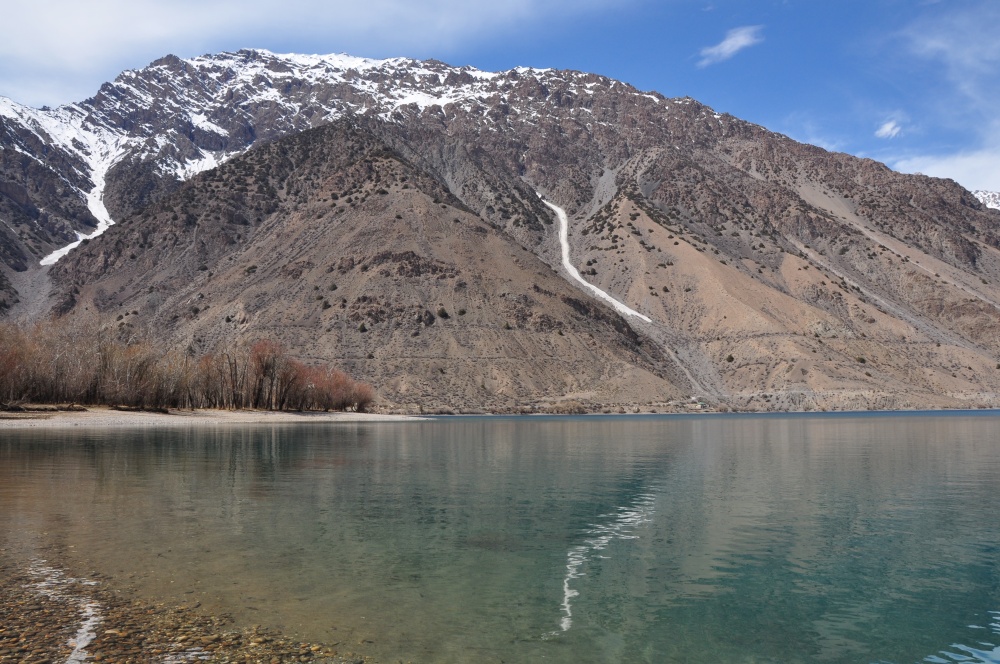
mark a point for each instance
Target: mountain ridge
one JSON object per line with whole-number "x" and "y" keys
{"x": 767, "y": 267}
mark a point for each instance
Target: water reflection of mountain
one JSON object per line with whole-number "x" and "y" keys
{"x": 795, "y": 538}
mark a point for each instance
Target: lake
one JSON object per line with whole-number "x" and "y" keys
{"x": 737, "y": 538}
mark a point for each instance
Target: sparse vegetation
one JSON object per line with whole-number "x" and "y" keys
{"x": 55, "y": 363}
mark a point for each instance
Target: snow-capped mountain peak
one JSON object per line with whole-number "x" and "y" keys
{"x": 990, "y": 199}
{"x": 178, "y": 117}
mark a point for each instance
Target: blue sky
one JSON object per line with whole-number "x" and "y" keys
{"x": 913, "y": 83}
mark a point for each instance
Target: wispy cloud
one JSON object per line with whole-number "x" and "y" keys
{"x": 964, "y": 42}
{"x": 889, "y": 129}
{"x": 958, "y": 41}
{"x": 736, "y": 40}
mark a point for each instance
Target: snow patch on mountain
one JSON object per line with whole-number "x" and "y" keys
{"x": 209, "y": 160}
{"x": 201, "y": 121}
{"x": 186, "y": 116}
{"x": 619, "y": 306}
{"x": 70, "y": 129}
{"x": 390, "y": 84}
{"x": 990, "y": 199}
{"x": 109, "y": 152}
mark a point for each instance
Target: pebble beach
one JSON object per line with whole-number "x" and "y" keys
{"x": 49, "y": 617}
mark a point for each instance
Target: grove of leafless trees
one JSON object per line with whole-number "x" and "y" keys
{"x": 54, "y": 362}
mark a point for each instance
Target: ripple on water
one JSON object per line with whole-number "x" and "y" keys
{"x": 985, "y": 653}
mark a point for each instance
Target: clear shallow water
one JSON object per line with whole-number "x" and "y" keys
{"x": 594, "y": 539}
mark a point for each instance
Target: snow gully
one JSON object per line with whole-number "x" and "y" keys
{"x": 573, "y": 272}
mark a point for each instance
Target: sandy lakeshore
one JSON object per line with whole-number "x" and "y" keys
{"x": 108, "y": 418}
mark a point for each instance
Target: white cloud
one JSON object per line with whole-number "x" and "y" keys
{"x": 978, "y": 169}
{"x": 736, "y": 40}
{"x": 888, "y": 129}
{"x": 72, "y": 46}
{"x": 958, "y": 41}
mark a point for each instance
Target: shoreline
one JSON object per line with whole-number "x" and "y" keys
{"x": 48, "y": 616}
{"x": 104, "y": 418}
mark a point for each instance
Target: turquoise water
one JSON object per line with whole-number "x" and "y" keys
{"x": 582, "y": 539}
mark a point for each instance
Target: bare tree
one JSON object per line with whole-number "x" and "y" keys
{"x": 87, "y": 362}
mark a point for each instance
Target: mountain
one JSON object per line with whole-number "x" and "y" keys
{"x": 990, "y": 199}
{"x": 773, "y": 274}
{"x": 358, "y": 257}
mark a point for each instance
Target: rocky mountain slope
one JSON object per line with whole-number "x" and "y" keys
{"x": 335, "y": 244}
{"x": 774, "y": 274}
